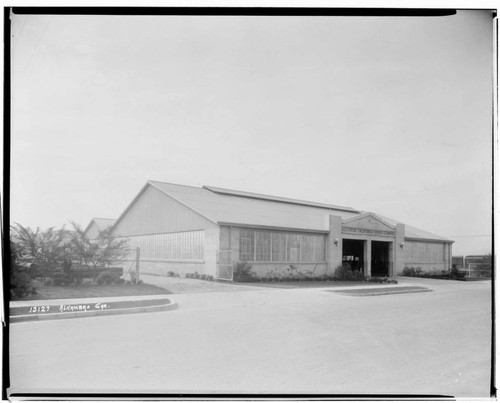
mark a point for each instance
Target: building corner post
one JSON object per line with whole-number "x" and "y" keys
{"x": 334, "y": 244}
{"x": 368, "y": 258}
{"x": 399, "y": 250}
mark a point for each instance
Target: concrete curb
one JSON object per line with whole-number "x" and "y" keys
{"x": 370, "y": 292}
{"x": 375, "y": 294}
{"x": 83, "y": 314}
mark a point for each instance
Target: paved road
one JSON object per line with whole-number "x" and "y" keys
{"x": 270, "y": 341}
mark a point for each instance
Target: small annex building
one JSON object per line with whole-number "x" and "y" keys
{"x": 209, "y": 230}
{"x": 96, "y": 225}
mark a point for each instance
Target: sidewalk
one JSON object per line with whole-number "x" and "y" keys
{"x": 22, "y": 311}
{"x": 94, "y": 300}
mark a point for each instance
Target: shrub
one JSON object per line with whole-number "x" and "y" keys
{"x": 243, "y": 273}
{"x": 140, "y": 282}
{"x": 119, "y": 280}
{"x": 20, "y": 277}
{"x": 196, "y": 275}
{"x": 20, "y": 284}
{"x": 77, "y": 280}
{"x": 381, "y": 280}
{"x": 189, "y": 275}
{"x": 203, "y": 277}
{"x": 58, "y": 281}
{"x": 412, "y": 271}
{"x": 345, "y": 273}
{"x": 37, "y": 252}
{"x": 48, "y": 282}
{"x": 105, "y": 278}
{"x": 170, "y": 274}
{"x": 101, "y": 251}
{"x": 455, "y": 274}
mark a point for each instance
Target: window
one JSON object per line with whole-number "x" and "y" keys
{"x": 424, "y": 252}
{"x": 312, "y": 248}
{"x": 293, "y": 248}
{"x": 262, "y": 246}
{"x": 279, "y": 246}
{"x": 307, "y": 248}
{"x": 247, "y": 245}
{"x": 172, "y": 246}
{"x": 274, "y": 246}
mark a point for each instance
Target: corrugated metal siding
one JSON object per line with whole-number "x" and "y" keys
{"x": 154, "y": 212}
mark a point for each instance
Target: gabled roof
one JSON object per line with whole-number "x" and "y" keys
{"x": 225, "y": 206}
{"x": 275, "y": 198}
{"x": 416, "y": 233}
{"x": 233, "y": 207}
{"x": 372, "y": 215}
{"x": 102, "y": 223}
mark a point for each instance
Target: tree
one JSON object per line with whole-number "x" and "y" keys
{"x": 20, "y": 278}
{"x": 105, "y": 250}
{"x": 39, "y": 252}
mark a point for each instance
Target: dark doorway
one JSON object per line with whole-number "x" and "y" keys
{"x": 353, "y": 254}
{"x": 380, "y": 259}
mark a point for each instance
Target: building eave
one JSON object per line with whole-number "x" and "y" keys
{"x": 428, "y": 240}
{"x": 271, "y": 227}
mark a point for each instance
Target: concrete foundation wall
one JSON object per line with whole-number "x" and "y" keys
{"x": 283, "y": 269}
{"x": 162, "y": 268}
{"x": 428, "y": 267}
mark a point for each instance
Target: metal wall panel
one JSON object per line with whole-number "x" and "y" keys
{"x": 154, "y": 213}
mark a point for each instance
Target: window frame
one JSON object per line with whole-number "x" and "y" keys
{"x": 318, "y": 245}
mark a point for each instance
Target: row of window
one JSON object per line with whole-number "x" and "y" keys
{"x": 424, "y": 252}
{"x": 174, "y": 246}
{"x": 269, "y": 246}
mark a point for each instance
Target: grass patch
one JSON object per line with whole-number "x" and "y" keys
{"x": 94, "y": 291}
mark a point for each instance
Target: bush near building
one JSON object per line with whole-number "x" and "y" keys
{"x": 61, "y": 257}
{"x": 243, "y": 274}
{"x": 453, "y": 274}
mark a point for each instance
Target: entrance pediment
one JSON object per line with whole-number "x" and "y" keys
{"x": 367, "y": 224}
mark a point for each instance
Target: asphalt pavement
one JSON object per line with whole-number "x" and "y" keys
{"x": 267, "y": 341}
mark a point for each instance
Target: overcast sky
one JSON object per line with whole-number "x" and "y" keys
{"x": 390, "y": 115}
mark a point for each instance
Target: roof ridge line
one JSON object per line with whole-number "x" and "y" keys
{"x": 278, "y": 199}
{"x": 175, "y": 184}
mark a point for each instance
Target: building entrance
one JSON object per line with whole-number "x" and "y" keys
{"x": 353, "y": 254}
{"x": 380, "y": 259}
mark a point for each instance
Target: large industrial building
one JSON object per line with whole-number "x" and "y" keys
{"x": 209, "y": 230}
